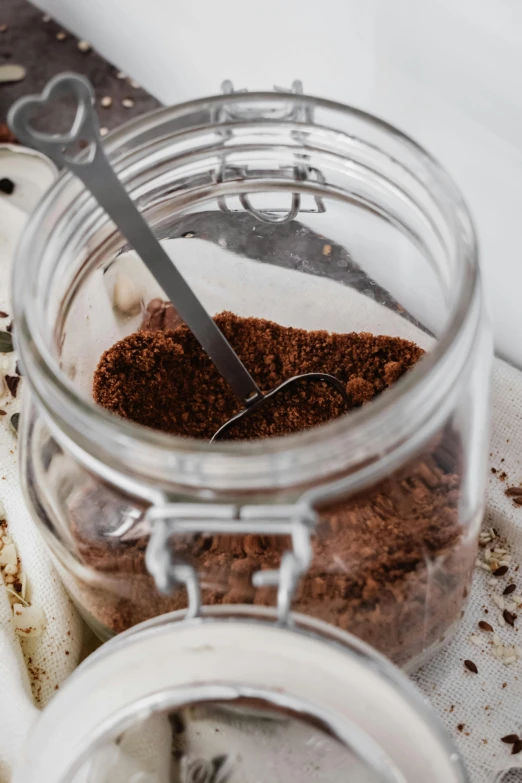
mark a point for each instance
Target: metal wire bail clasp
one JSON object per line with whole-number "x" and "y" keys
{"x": 294, "y": 520}
{"x": 301, "y": 170}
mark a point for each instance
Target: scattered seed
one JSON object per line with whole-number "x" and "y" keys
{"x": 502, "y": 570}
{"x": 518, "y": 650}
{"x": 9, "y": 327}
{"x": 10, "y": 73}
{"x": 84, "y": 46}
{"x": 484, "y": 626}
{"x": 327, "y": 250}
{"x": 61, "y": 36}
{"x": 501, "y": 621}
{"x": 513, "y": 491}
{"x": 14, "y": 422}
{"x": 127, "y": 103}
{"x": 499, "y": 601}
{"x": 518, "y": 500}
{"x": 106, "y": 101}
{"x": 470, "y": 666}
{"x": 126, "y": 296}
{"x": 492, "y": 582}
{"x": 487, "y": 554}
{"x": 134, "y": 84}
{"x": 3, "y": 315}
{"x": 8, "y": 555}
{"x": 510, "y": 606}
{"x": 517, "y": 747}
{"x": 508, "y": 617}
{"x": 509, "y": 739}
{"x": 476, "y": 640}
{"x": 496, "y": 640}
{"x": 12, "y": 382}
{"x": 121, "y": 75}
{"x": 46, "y": 18}
{"x": 104, "y": 131}
{"x": 6, "y": 186}
{"x": 6, "y": 343}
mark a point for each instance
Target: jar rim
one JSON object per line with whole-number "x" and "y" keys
{"x": 109, "y": 434}
{"x": 224, "y": 629}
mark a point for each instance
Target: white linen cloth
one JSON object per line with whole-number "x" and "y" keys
{"x": 484, "y": 708}
{"x": 488, "y": 704}
{"x": 30, "y": 668}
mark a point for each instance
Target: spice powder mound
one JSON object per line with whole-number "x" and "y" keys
{"x": 164, "y": 379}
{"x": 390, "y": 564}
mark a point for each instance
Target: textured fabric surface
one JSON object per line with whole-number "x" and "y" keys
{"x": 30, "y": 668}
{"x": 489, "y": 705}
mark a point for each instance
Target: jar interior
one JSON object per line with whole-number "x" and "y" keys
{"x": 373, "y": 246}
{"x": 239, "y": 741}
{"x": 311, "y": 284}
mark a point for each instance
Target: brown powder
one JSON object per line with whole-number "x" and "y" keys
{"x": 166, "y": 381}
{"x": 389, "y": 564}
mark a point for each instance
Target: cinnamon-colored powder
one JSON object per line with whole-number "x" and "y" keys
{"x": 390, "y": 564}
{"x": 166, "y": 381}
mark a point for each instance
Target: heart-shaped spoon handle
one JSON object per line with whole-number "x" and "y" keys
{"x": 96, "y": 173}
{"x": 55, "y": 145}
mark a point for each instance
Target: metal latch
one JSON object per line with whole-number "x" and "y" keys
{"x": 302, "y": 171}
{"x": 294, "y": 520}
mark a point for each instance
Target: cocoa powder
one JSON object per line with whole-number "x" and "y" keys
{"x": 164, "y": 379}
{"x": 389, "y": 564}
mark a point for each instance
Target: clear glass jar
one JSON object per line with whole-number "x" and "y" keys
{"x": 307, "y": 213}
{"x": 246, "y": 700}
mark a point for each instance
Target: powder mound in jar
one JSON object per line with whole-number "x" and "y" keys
{"x": 162, "y": 378}
{"x": 389, "y": 564}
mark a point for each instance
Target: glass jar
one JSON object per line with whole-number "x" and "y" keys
{"x": 313, "y": 215}
{"x": 232, "y": 697}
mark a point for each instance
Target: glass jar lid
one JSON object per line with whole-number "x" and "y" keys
{"x": 233, "y": 697}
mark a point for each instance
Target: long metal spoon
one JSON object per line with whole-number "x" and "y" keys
{"x": 92, "y": 167}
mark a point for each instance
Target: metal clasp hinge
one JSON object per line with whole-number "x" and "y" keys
{"x": 302, "y": 171}
{"x": 297, "y": 521}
